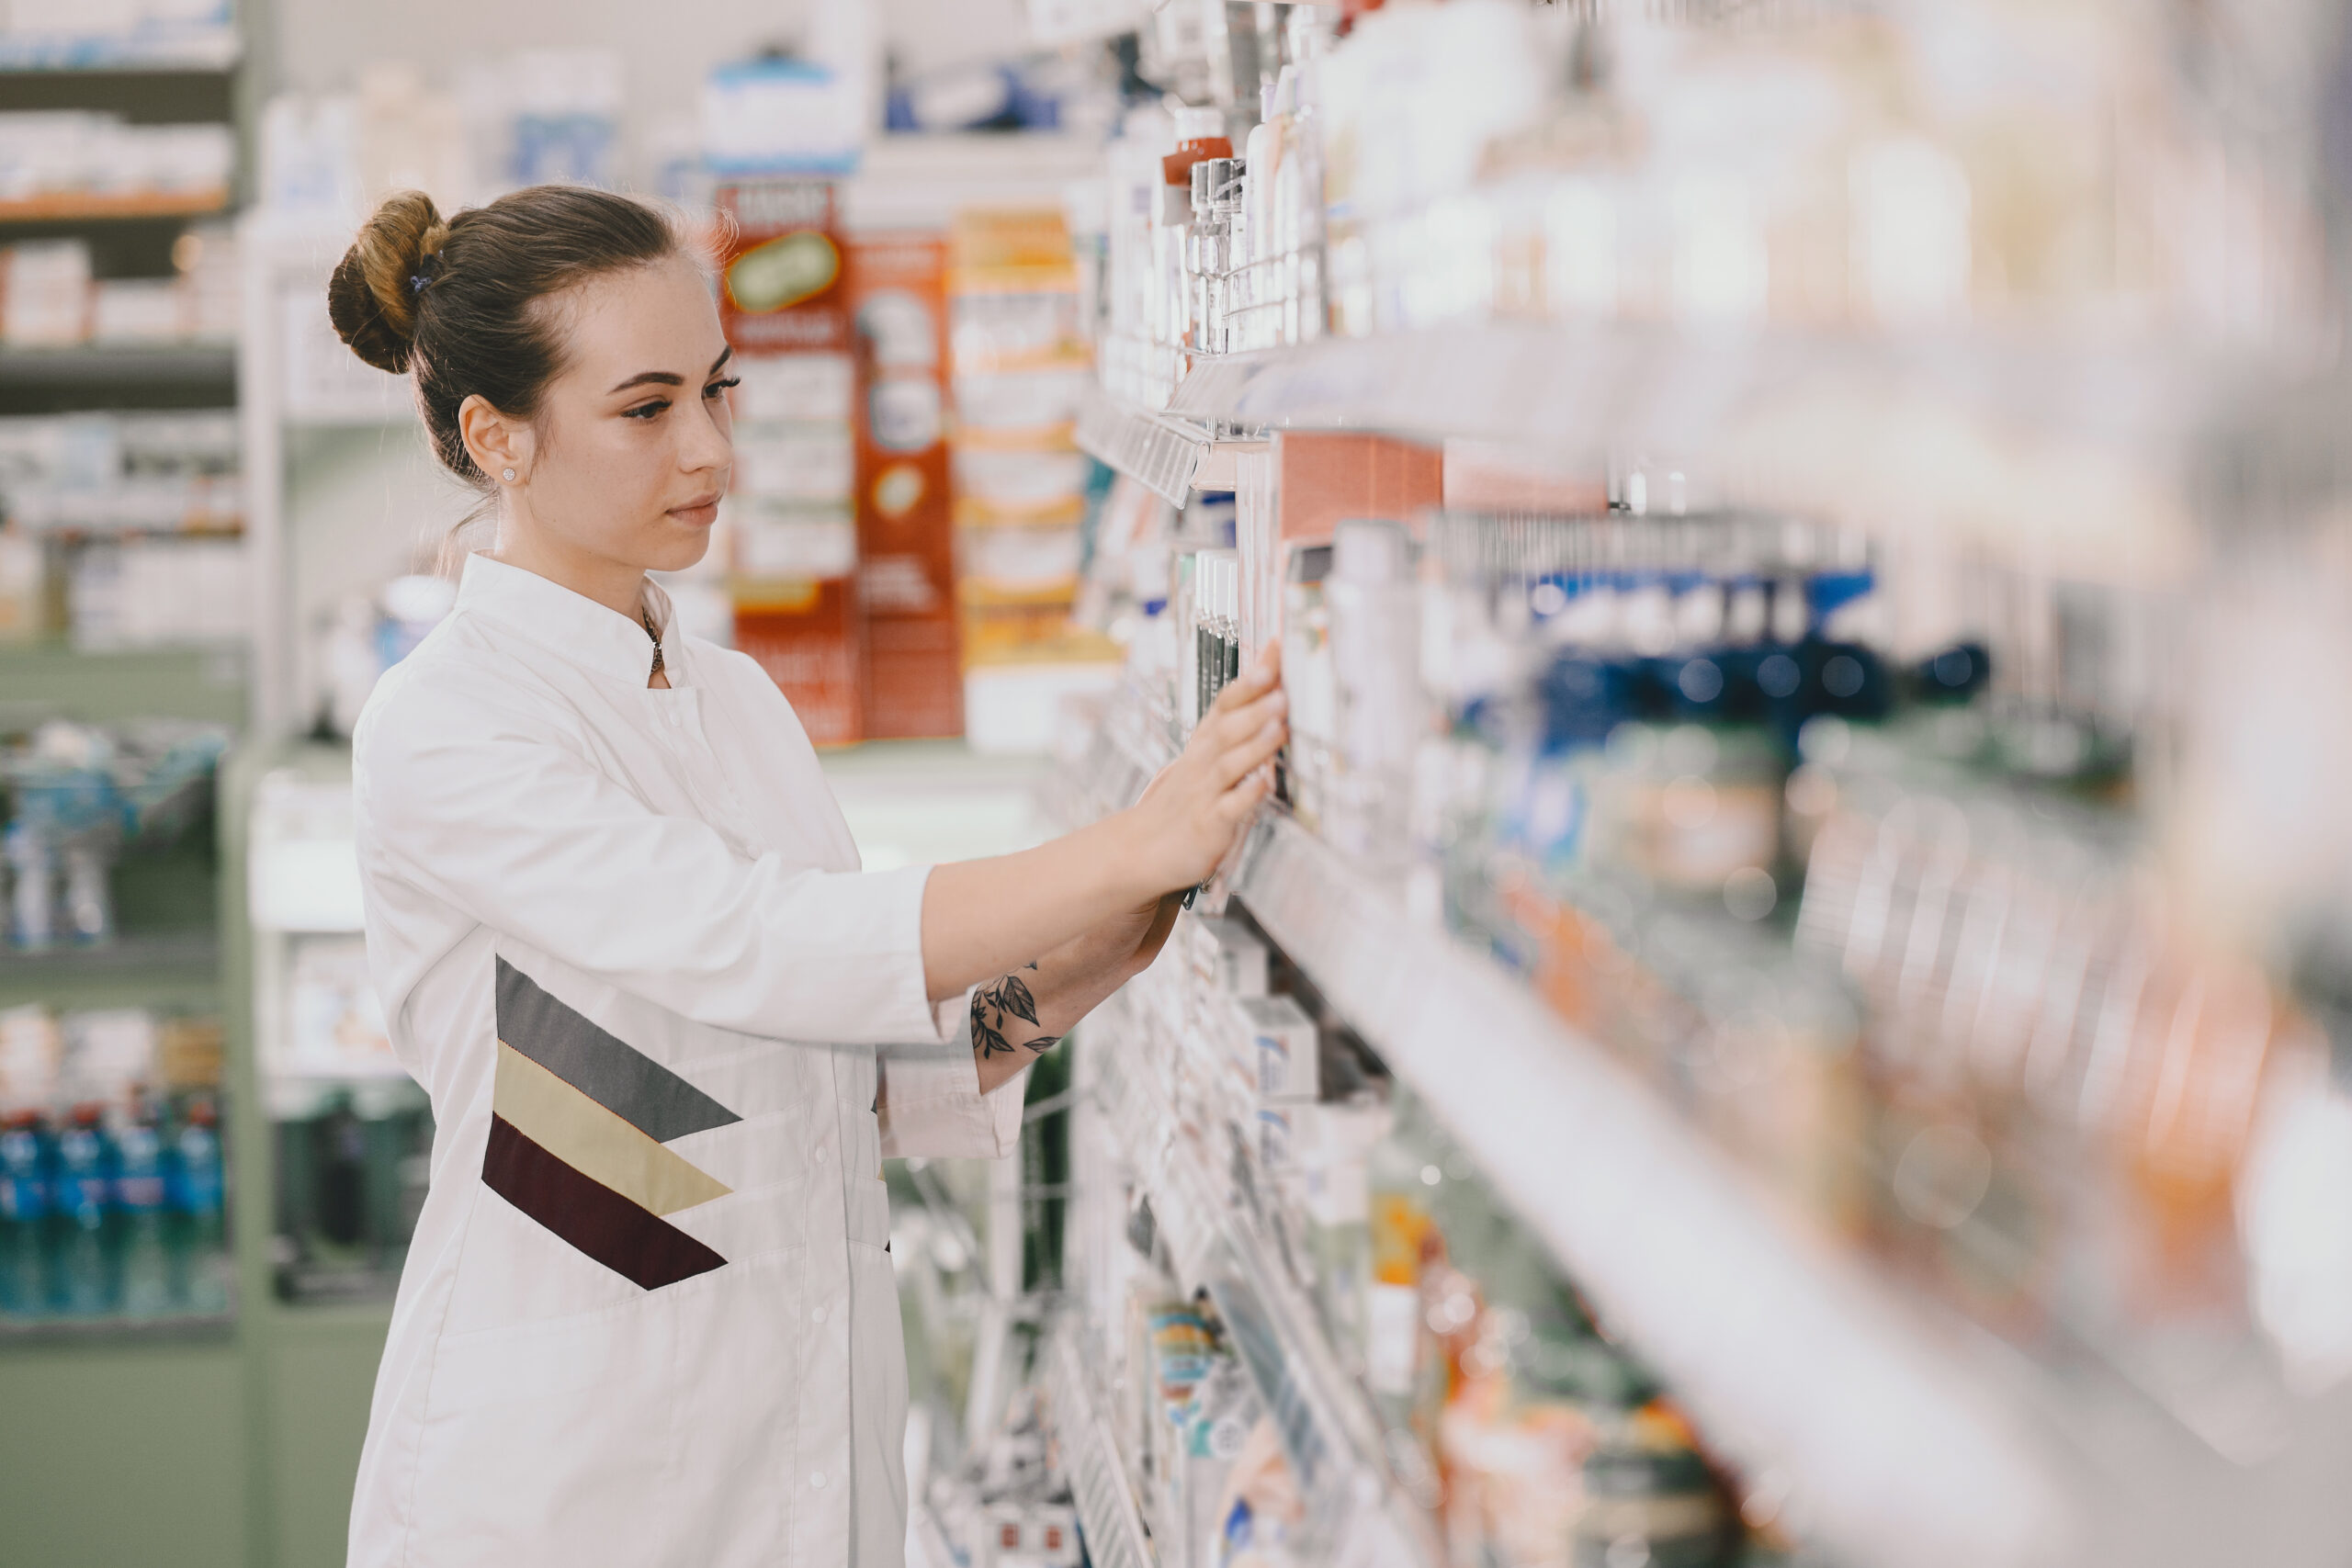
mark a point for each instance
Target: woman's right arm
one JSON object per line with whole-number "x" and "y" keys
{"x": 984, "y": 919}
{"x": 481, "y": 807}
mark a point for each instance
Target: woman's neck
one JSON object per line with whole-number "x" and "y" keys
{"x": 617, "y": 585}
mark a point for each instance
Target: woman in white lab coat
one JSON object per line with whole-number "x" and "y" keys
{"x": 670, "y": 1030}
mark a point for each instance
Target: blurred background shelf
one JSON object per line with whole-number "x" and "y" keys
{"x": 189, "y": 50}
{"x": 209, "y": 1327}
{"x": 158, "y": 377}
{"x": 81, "y": 207}
{"x": 177, "y": 953}
{"x": 122, "y": 368}
{"x": 47, "y": 680}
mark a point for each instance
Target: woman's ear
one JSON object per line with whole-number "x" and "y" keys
{"x": 499, "y": 446}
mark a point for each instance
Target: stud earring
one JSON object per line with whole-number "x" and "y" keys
{"x": 507, "y": 474}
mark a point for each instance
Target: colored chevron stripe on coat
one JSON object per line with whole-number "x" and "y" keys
{"x": 618, "y": 1077}
{"x": 579, "y": 1119}
{"x": 628, "y": 1240}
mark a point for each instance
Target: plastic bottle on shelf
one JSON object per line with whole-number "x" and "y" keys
{"x": 32, "y": 903}
{"x": 195, "y": 1189}
{"x": 1200, "y": 133}
{"x": 83, "y": 1282}
{"x": 24, "y": 1214}
{"x": 1400, "y": 1233}
{"x": 141, "y": 1246}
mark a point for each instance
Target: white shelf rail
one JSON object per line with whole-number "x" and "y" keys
{"x": 1106, "y": 1510}
{"x": 1161, "y": 454}
{"x": 2085, "y": 448}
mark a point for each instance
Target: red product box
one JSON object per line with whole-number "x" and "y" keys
{"x": 780, "y": 274}
{"x": 897, "y": 291}
{"x": 1323, "y": 478}
{"x": 812, "y": 646}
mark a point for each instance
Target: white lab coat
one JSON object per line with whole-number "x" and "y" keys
{"x": 647, "y": 1316}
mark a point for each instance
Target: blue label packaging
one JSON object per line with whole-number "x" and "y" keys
{"x": 1284, "y": 1041}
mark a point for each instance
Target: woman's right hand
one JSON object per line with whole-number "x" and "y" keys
{"x": 1185, "y": 824}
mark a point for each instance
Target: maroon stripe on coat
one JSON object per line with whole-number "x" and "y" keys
{"x": 632, "y": 1242}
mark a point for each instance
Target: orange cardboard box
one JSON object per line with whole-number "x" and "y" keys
{"x": 906, "y": 503}
{"x": 811, "y": 643}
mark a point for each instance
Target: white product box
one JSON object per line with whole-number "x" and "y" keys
{"x": 138, "y": 310}
{"x": 804, "y": 387}
{"x": 795, "y": 462}
{"x": 1228, "y": 956}
{"x": 1283, "y": 1042}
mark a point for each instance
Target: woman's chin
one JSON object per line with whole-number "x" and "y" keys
{"x": 677, "y": 546}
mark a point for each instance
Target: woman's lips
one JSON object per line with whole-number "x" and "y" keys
{"x": 698, "y": 514}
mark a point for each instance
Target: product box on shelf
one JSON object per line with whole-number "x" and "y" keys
{"x": 906, "y": 503}
{"x": 781, "y": 271}
{"x": 807, "y": 637}
{"x": 1323, "y": 478}
{"x": 786, "y": 308}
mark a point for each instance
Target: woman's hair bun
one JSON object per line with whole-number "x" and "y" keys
{"x": 375, "y": 293}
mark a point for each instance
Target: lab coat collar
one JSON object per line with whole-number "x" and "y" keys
{"x": 570, "y": 624}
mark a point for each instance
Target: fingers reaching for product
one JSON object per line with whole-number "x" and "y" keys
{"x": 1188, "y": 819}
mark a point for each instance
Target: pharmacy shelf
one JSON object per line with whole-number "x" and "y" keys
{"x": 1905, "y": 1439}
{"x": 71, "y": 1331}
{"x": 180, "y": 969}
{"x": 191, "y": 48}
{"x": 1107, "y": 1515}
{"x": 1356, "y": 1513}
{"x": 2085, "y": 447}
{"x": 83, "y": 207}
{"x": 1667, "y": 390}
{"x": 184, "y": 953}
{"x": 108, "y": 368}
{"x": 1161, "y": 454}
{"x": 44, "y": 681}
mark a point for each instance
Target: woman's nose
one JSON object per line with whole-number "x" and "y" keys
{"x": 711, "y": 443}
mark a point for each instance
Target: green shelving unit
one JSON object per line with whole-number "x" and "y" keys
{"x": 226, "y": 1444}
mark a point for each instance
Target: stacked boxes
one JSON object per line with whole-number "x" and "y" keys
{"x": 906, "y": 540}
{"x": 1023, "y": 487}
{"x": 792, "y": 519}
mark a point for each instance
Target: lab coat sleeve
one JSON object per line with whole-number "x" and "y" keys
{"x": 932, "y": 1105}
{"x": 486, "y": 810}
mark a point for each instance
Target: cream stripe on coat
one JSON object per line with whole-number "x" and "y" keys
{"x": 593, "y": 1141}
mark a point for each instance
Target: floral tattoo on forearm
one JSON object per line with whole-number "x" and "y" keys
{"x": 992, "y": 1009}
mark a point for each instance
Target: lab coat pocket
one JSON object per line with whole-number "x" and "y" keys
{"x": 540, "y": 1433}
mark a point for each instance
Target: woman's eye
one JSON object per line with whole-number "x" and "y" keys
{"x": 647, "y": 411}
{"x": 718, "y": 389}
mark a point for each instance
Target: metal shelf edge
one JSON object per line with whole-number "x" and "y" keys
{"x": 1107, "y": 1509}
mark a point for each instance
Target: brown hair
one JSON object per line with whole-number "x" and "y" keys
{"x": 459, "y": 302}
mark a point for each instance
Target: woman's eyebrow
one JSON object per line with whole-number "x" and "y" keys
{"x": 669, "y": 377}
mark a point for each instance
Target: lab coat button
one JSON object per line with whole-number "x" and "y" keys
{"x": 817, "y": 1479}
{"x": 816, "y": 1315}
